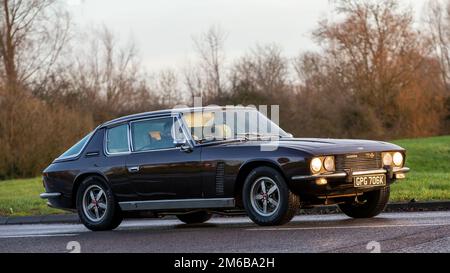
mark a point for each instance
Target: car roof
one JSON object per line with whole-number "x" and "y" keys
{"x": 168, "y": 112}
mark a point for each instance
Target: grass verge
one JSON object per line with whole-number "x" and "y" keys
{"x": 429, "y": 160}
{"x": 429, "y": 180}
{"x": 21, "y": 198}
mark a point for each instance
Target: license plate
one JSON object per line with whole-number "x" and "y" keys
{"x": 369, "y": 181}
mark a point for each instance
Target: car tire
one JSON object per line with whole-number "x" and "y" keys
{"x": 267, "y": 198}
{"x": 102, "y": 214}
{"x": 374, "y": 203}
{"x": 197, "y": 217}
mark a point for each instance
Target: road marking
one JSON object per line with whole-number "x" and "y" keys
{"x": 347, "y": 227}
{"x": 36, "y": 236}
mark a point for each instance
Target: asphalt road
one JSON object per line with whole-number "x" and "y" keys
{"x": 390, "y": 232}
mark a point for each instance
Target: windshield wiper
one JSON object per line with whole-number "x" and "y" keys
{"x": 240, "y": 137}
{"x": 257, "y": 135}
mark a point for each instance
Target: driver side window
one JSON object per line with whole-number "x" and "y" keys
{"x": 154, "y": 134}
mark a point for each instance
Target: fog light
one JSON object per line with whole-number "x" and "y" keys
{"x": 400, "y": 176}
{"x": 321, "y": 182}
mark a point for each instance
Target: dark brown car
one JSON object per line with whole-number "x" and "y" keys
{"x": 195, "y": 162}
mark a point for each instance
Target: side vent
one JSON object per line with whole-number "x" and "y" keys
{"x": 220, "y": 178}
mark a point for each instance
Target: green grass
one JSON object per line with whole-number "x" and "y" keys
{"x": 429, "y": 160}
{"x": 429, "y": 180}
{"x": 21, "y": 198}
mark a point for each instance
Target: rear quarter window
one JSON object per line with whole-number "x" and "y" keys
{"x": 117, "y": 140}
{"x": 76, "y": 149}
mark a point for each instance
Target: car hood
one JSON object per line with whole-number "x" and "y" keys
{"x": 319, "y": 147}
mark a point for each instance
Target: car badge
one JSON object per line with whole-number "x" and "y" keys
{"x": 370, "y": 155}
{"x": 352, "y": 156}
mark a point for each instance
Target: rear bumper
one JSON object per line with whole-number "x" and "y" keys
{"x": 345, "y": 175}
{"x": 48, "y": 195}
{"x": 57, "y": 200}
{"x": 57, "y": 194}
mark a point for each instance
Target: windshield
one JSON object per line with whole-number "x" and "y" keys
{"x": 230, "y": 124}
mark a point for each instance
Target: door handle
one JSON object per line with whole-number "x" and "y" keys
{"x": 134, "y": 169}
{"x": 92, "y": 154}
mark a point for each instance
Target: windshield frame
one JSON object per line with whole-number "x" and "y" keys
{"x": 248, "y": 136}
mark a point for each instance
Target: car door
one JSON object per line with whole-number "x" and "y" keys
{"x": 117, "y": 150}
{"x": 157, "y": 169}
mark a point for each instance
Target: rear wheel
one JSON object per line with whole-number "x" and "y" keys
{"x": 268, "y": 199}
{"x": 197, "y": 217}
{"x": 369, "y": 205}
{"x": 96, "y": 205}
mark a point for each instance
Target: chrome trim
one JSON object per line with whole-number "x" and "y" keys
{"x": 187, "y": 134}
{"x": 206, "y": 109}
{"x": 153, "y": 151}
{"x": 48, "y": 195}
{"x": 149, "y": 119}
{"x": 179, "y": 204}
{"x": 370, "y": 172}
{"x": 131, "y": 134}
{"x": 402, "y": 170}
{"x": 134, "y": 169}
{"x": 343, "y": 174}
{"x": 105, "y": 140}
{"x": 166, "y": 112}
{"x": 340, "y": 195}
{"x": 176, "y": 118}
{"x": 82, "y": 148}
{"x": 316, "y": 176}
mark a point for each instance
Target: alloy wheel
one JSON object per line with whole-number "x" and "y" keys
{"x": 265, "y": 196}
{"x": 95, "y": 203}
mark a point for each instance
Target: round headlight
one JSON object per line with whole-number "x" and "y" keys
{"x": 387, "y": 159}
{"x": 316, "y": 165}
{"x": 398, "y": 159}
{"x": 328, "y": 164}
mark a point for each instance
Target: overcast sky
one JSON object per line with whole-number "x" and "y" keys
{"x": 163, "y": 29}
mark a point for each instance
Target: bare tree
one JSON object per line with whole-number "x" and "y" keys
{"x": 193, "y": 82}
{"x": 32, "y": 36}
{"x": 371, "y": 60}
{"x": 168, "y": 89}
{"x": 210, "y": 48}
{"x": 438, "y": 23}
{"x": 265, "y": 69}
{"x": 107, "y": 74}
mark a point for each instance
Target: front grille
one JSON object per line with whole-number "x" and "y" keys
{"x": 358, "y": 162}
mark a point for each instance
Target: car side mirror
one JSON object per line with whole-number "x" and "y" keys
{"x": 183, "y": 144}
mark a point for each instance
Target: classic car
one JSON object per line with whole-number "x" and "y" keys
{"x": 196, "y": 162}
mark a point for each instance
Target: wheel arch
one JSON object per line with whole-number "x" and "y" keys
{"x": 245, "y": 170}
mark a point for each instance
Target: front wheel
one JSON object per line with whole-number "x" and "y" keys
{"x": 268, "y": 199}
{"x": 369, "y": 205}
{"x": 96, "y": 205}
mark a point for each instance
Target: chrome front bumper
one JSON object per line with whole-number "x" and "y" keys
{"x": 341, "y": 175}
{"x": 48, "y": 195}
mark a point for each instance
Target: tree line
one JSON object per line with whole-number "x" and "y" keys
{"x": 378, "y": 73}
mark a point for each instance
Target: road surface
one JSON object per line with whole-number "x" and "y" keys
{"x": 390, "y": 232}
